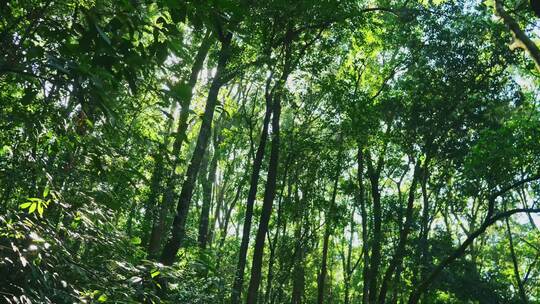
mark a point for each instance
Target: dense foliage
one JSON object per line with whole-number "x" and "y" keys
{"x": 272, "y": 151}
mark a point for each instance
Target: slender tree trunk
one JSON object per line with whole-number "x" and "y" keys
{"x": 323, "y": 271}
{"x": 269, "y": 194}
{"x": 327, "y": 231}
{"x": 184, "y": 201}
{"x": 254, "y": 181}
{"x": 347, "y": 269}
{"x": 519, "y": 282}
{"x": 423, "y": 286}
{"x": 158, "y": 225}
{"x": 299, "y": 270}
{"x": 404, "y": 233}
{"x": 156, "y": 180}
{"x": 216, "y": 222}
{"x": 225, "y": 227}
{"x": 375, "y": 260}
{"x": 364, "y": 216}
{"x": 275, "y": 239}
{"x": 207, "y": 183}
{"x": 425, "y": 221}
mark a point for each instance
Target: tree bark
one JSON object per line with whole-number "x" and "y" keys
{"x": 158, "y": 225}
{"x": 254, "y": 181}
{"x": 404, "y": 233}
{"x": 521, "y": 39}
{"x": 299, "y": 270}
{"x": 519, "y": 282}
{"x": 207, "y": 183}
{"x": 269, "y": 194}
{"x": 363, "y": 214}
{"x": 423, "y": 286}
{"x": 347, "y": 269}
{"x": 184, "y": 201}
{"x": 275, "y": 239}
{"x": 329, "y": 221}
{"x": 375, "y": 260}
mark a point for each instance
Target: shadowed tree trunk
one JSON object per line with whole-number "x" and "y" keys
{"x": 207, "y": 183}
{"x": 158, "y": 225}
{"x": 329, "y": 222}
{"x": 299, "y": 269}
{"x": 269, "y": 194}
{"x": 254, "y": 181}
{"x": 274, "y": 242}
{"x": 184, "y": 201}
{"x": 348, "y": 267}
{"x": 515, "y": 264}
{"x": 424, "y": 286}
{"x": 363, "y": 214}
{"x": 157, "y": 177}
{"x": 404, "y": 233}
{"x": 375, "y": 260}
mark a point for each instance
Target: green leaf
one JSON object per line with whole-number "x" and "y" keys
{"x": 136, "y": 240}
{"x": 154, "y": 273}
{"x": 32, "y": 208}
{"x": 46, "y": 191}
{"x": 40, "y": 208}
{"x": 102, "y": 298}
{"x": 25, "y": 205}
{"x": 103, "y": 35}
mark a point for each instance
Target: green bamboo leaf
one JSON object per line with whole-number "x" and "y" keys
{"x": 32, "y": 208}
{"x": 25, "y": 205}
{"x": 40, "y": 208}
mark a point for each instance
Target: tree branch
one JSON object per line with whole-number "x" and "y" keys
{"x": 424, "y": 285}
{"x": 521, "y": 40}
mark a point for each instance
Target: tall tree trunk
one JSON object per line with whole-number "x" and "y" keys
{"x": 275, "y": 239}
{"x": 184, "y": 201}
{"x": 425, "y": 221}
{"x": 347, "y": 269}
{"x": 404, "y": 233}
{"x": 299, "y": 271}
{"x": 225, "y": 227}
{"x": 269, "y": 194}
{"x": 216, "y": 222}
{"x": 158, "y": 225}
{"x": 519, "y": 282}
{"x": 364, "y": 216}
{"x": 207, "y": 183}
{"x": 254, "y": 180}
{"x": 375, "y": 260}
{"x": 329, "y": 222}
{"x": 156, "y": 179}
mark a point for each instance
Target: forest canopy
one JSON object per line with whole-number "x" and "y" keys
{"x": 248, "y": 151}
